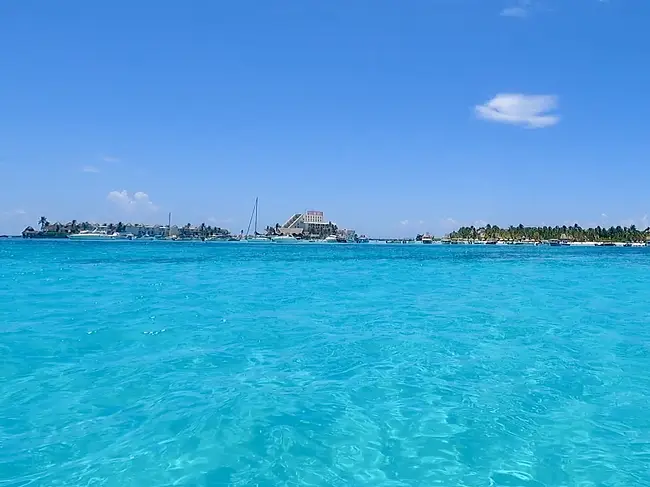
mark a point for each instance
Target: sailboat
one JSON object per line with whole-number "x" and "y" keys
{"x": 256, "y": 237}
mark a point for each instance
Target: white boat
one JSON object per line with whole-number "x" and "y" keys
{"x": 290, "y": 239}
{"x": 427, "y": 239}
{"x": 95, "y": 235}
{"x": 257, "y": 239}
{"x": 331, "y": 239}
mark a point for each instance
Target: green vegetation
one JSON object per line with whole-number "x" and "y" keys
{"x": 62, "y": 230}
{"x": 202, "y": 231}
{"x": 573, "y": 233}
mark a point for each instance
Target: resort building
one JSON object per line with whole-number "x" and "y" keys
{"x": 141, "y": 230}
{"x": 310, "y": 223}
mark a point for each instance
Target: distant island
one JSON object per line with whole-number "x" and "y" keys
{"x": 573, "y": 233}
{"x": 137, "y": 230}
{"x": 296, "y": 229}
{"x": 74, "y": 229}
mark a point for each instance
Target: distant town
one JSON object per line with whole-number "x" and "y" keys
{"x": 312, "y": 226}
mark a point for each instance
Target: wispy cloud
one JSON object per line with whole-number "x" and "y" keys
{"x": 411, "y": 223}
{"x": 137, "y": 201}
{"x": 110, "y": 159}
{"x": 641, "y": 223}
{"x": 520, "y": 10}
{"x": 449, "y": 222}
{"x": 218, "y": 221}
{"x": 17, "y": 212}
{"x": 530, "y": 111}
{"x": 91, "y": 169}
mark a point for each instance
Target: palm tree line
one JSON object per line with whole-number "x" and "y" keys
{"x": 74, "y": 226}
{"x": 574, "y": 233}
{"x": 202, "y": 231}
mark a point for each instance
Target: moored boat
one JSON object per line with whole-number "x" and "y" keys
{"x": 96, "y": 235}
{"x": 290, "y": 239}
{"x": 257, "y": 239}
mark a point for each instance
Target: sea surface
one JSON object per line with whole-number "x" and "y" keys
{"x": 199, "y": 364}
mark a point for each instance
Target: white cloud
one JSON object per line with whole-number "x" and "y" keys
{"x": 91, "y": 169}
{"x": 531, "y": 111}
{"x": 604, "y": 215}
{"x": 411, "y": 223}
{"x": 520, "y": 12}
{"x": 218, "y": 221}
{"x": 137, "y": 201}
{"x": 110, "y": 159}
{"x": 18, "y": 212}
{"x": 449, "y": 222}
{"x": 641, "y": 223}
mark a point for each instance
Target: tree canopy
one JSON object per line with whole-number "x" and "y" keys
{"x": 574, "y": 233}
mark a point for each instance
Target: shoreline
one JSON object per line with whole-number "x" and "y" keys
{"x": 382, "y": 241}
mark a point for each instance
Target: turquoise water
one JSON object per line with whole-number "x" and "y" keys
{"x": 161, "y": 364}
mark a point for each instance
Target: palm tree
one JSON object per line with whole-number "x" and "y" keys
{"x": 120, "y": 227}
{"x": 43, "y": 222}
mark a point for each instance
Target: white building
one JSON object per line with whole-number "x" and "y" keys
{"x": 140, "y": 230}
{"x": 309, "y": 222}
{"x": 313, "y": 216}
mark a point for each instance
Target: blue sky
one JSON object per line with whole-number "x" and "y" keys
{"x": 393, "y": 117}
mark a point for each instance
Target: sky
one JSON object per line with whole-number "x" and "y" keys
{"x": 392, "y": 117}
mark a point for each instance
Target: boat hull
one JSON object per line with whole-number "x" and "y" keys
{"x": 289, "y": 241}
{"x": 258, "y": 240}
{"x": 95, "y": 239}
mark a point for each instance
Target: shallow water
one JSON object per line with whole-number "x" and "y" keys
{"x": 132, "y": 364}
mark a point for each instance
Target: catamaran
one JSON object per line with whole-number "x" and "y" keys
{"x": 285, "y": 239}
{"x": 94, "y": 235}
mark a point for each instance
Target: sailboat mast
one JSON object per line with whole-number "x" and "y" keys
{"x": 250, "y": 221}
{"x": 255, "y": 216}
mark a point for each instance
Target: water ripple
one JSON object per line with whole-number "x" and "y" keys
{"x": 207, "y": 365}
